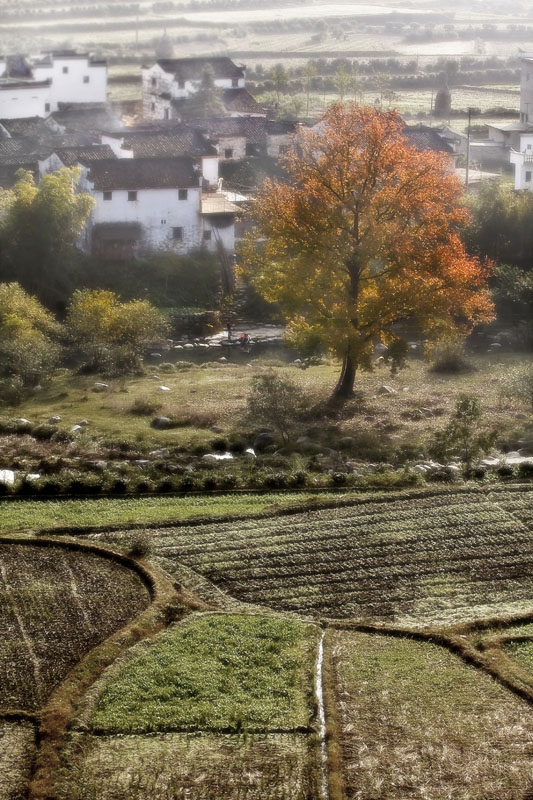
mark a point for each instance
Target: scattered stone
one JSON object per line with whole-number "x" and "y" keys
{"x": 387, "y": 390}
{"x": 142, "y": 462}
{"x": 156, "y": 355}
{"x": 427, "y": 412}
{"x": 178, "y": 347}
{"x": 22, "y": 421}
{"x": 188, "y": 346}
{"x": 83, "y": 423}
{"x": 218, "y": 457}
{"x": 222, "y": 358}
{"x": 155, "y": 377}
{"x": 7, "y": 476}
{"x": 76, "y": 428}
{"x": 54, "y": 420}
{"x": 101, "y": 387}
{"x": 250, "y": 452}
{"x": 161, "y": 452}
{"x": 381, "y": 348}
{"x": 164, "y": 388}
{"x": 161, "y": 423}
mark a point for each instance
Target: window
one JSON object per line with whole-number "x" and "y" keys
{"x": 228, "y": 152}
{"x": 167, "y": 113}
{"x": 65, "y": 70}
{"x": 234, "y": 82}
{"x": 47, "y": 106}
{"x": 181, "y": 84}
{"x": 163, "y": 222}
{"x": 529, "y": 147}
{"x": 207, "y": 236}
{"x": 182, "y": 194}
{"x": 528, "y": 176}
{"x": 154, "y": 82}
{"x": 132, "y": 195}
{"x": 108, "y": 195}
{"x": 153, "y": 106}
{"x": 251, "y": 149}
{"x": 177, "y": 234}
{"x": 86, "y": 79}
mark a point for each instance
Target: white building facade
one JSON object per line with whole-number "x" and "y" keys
{"x": 57, "y": 77}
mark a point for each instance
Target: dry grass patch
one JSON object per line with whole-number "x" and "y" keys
{"x": 416, "y": 722}
{"x": 188, "y": 767}
{"x": 17, "y": 748}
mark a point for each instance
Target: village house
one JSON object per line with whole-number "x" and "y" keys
{"x": 170, "y": 82}
{"x": 144, "y": 205}
{"x": 38, "y": 87}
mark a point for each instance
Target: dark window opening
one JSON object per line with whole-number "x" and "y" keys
{"x": 132, "y": 195}
{"x": 65, "y": 70}
{"x": 177, "y": 234}
{"x": 234, "y": 82}
{"x": 86, "y": 79}
{"x": 108, "y": 195}
{"x": 228, "y": 152}
{"x": 182, "y": 194}
{"x": 207, "y": 236}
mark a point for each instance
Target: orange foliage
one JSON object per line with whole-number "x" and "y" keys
{"x": 365, "y": 235}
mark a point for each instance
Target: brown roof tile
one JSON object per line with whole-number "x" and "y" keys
{"x": 144, "y": 173}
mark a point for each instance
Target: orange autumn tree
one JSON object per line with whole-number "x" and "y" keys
{"x": 363, "y": 237}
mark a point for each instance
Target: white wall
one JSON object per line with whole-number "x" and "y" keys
{"x": 526, "y": 88}
{"x": 158, "y": 211}
{"x": 24, "y": 101}
{"x": 82, "y": 83}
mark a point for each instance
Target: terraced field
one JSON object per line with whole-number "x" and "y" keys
{"x": 420, "y": 560}
{"x": 426, "y": 599}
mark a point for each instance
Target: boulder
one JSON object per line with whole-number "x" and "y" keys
{"x": 54, "y": 420}
{"x": 7, "y": 476}
{"x": 83, "y": 423}
{"x": 164, "y": 388}
{"x": 387, "y": 390}
{"x": 100, "y": 387}
{"x": 161, "y": 452}
{"x": 263, "y": 440}
{"x": 157, "y": 356}
{"x": 161, "y": 423}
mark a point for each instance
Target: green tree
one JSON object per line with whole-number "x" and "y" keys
{"x": 342, "y": 81}
{"x": 280, "y": 78}
{"x": 29, "y": 342}
{"x": 110, "y": 334}
{"x": 207, "y": 101}
{"x": 310, "y": 72}
{"x": 276, "y": 402}
{"x": 40, "y": 227}
{"x": 462, "y": 435}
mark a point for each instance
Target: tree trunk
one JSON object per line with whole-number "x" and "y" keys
{"x": 344, "y": 389}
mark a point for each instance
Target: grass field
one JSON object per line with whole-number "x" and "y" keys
{"x": 215, "y": 673}
{"x": 416, "y": 722}
{"x": 36, "y": 514}
{"x": 56, "y": 604}
{"x": 434, "y": 559}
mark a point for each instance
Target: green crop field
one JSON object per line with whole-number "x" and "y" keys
{"x": 215, "y": 673}
{"x": 17, "y": 749}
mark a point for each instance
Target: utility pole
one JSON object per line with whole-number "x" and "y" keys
{"x": 468, "y": 148}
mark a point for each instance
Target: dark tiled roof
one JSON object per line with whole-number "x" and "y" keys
{"x": 24, "y": 85}
{"x": 8, "y": 173}
{"x": 20, "y": 151}
{"x": 425, "y": 138}
{"x": 251, "y": 128}
{"x": 247, "y": 175}
{"x": 187, "y": 69}
{"x": 85, "y": 117}
{"x": 281, "y": 127}
{"x": 26, "y": 126}
{"x": 240, "y": 100}
{"x": 181, "y": 141}
{"x": 144, "y": 173}
{"x": 70, "y": 156}
{"x": 17, "y": 66}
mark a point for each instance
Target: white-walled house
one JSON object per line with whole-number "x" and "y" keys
{"x": 145, "y": 205}
{"x": 170, "y": 82}
{"x": 523, "y": 163}
{"x": 37, "y": 87}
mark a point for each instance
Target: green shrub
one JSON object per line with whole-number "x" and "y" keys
{"x": 525, "y": 470}
{"x": 339, "y": 479}
{"x": 144, "y": 406}
{"x": 276, "y": 403}
{"x": 449, "y": 358}
{"x": 140, "y": 545}
{"x": 43, "y": 431}
{"x": 505, "y": 471}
